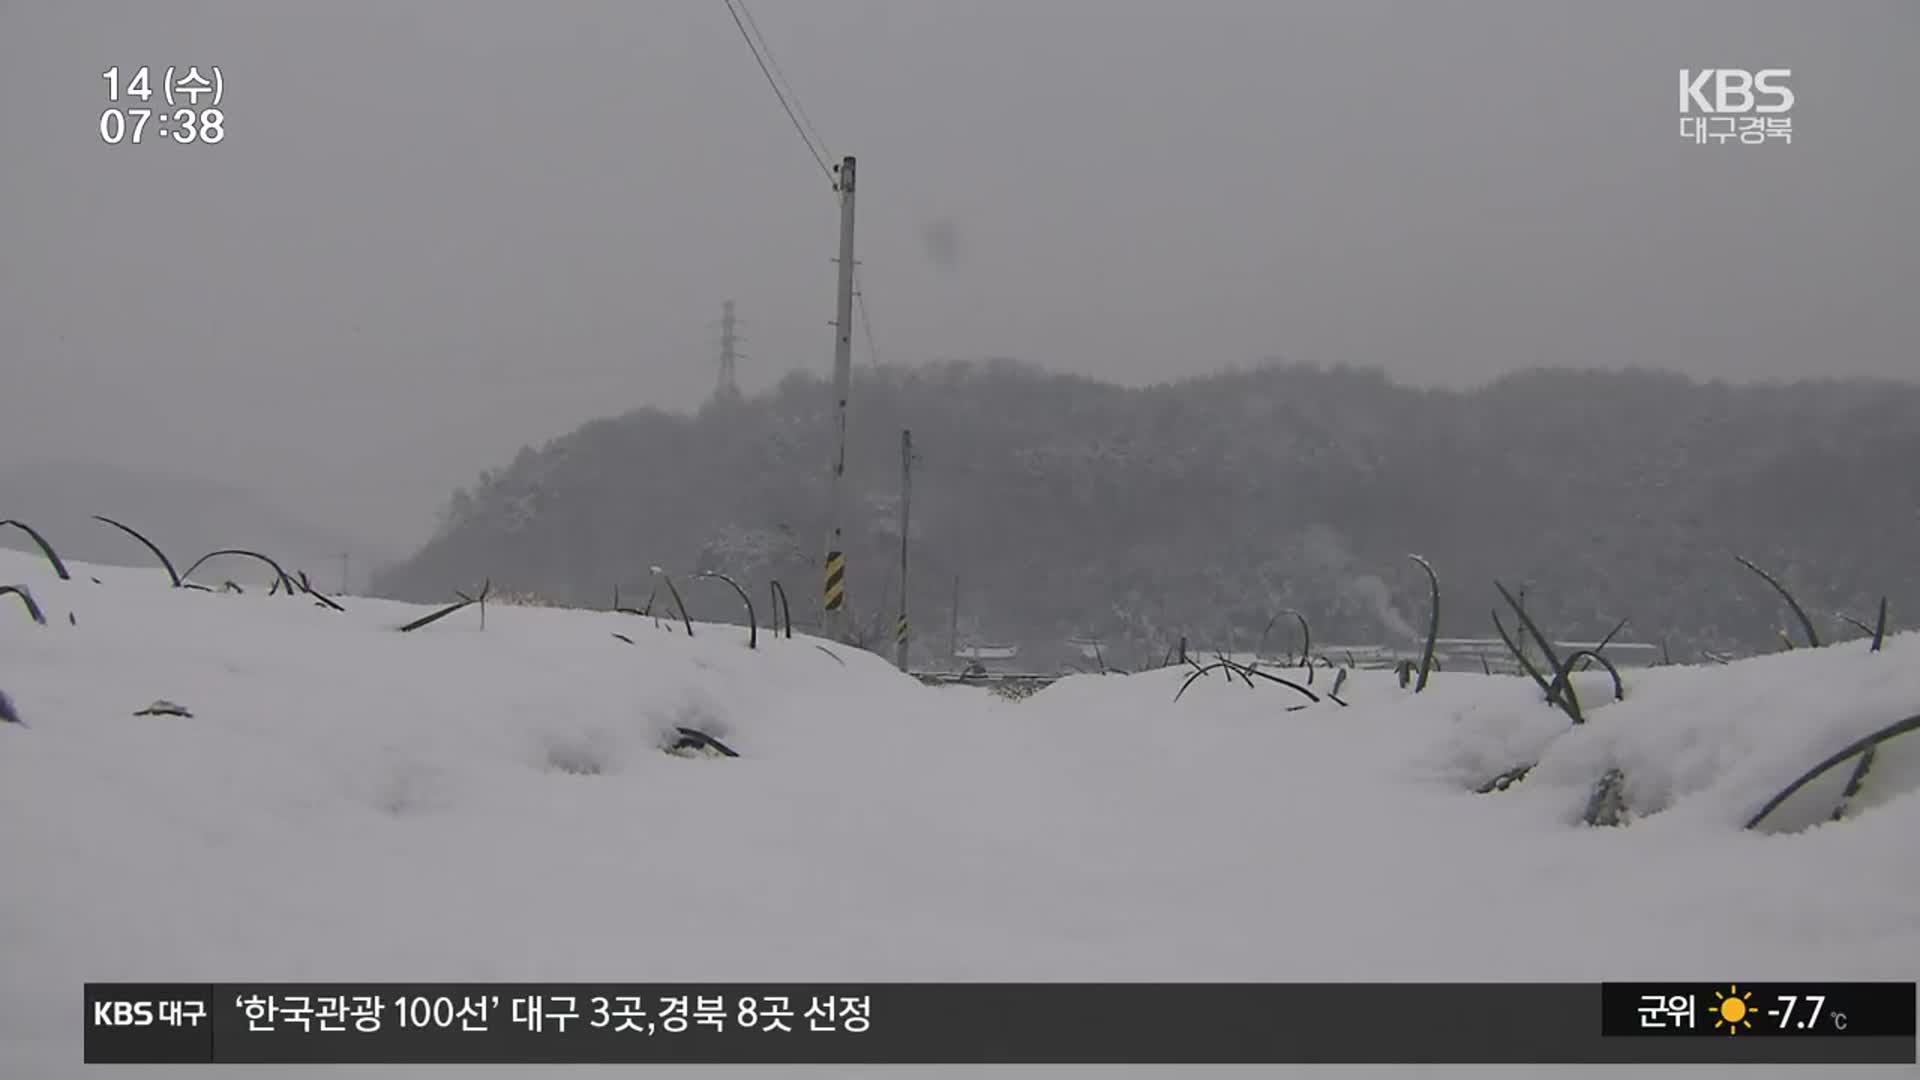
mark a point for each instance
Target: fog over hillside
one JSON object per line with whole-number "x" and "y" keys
{"x": 1065, "y": 506}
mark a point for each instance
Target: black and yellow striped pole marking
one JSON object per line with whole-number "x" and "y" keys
{"x": 836, "y": 580}
{"x": 900, "y": 629}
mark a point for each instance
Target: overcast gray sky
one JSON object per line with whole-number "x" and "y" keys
{"x": 436, "y": 231}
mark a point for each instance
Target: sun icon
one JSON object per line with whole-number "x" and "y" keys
{"x": 1733, "y": 1009}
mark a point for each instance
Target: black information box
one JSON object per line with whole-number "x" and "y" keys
{"x": 1000, "y": 1023}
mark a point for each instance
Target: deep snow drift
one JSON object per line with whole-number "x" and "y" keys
{"x": 349, "y": 803}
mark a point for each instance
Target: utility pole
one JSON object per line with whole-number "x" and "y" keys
{"x": 728, "y": 388}
{"x": 906, "y": 495}
{"x": 346, "y": 577}
{"x": 953, "y": 628}
{"x": 834, "y": 619}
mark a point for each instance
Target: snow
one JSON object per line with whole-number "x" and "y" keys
{"x": 349, "y": 803}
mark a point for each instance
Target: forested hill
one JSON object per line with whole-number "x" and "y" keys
{"x": 1067, "y": 506}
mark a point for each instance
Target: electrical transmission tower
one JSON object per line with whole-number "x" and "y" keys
{"x": 728, "y": 388}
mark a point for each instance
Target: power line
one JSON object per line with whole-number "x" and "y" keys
{"x": 802, "y": 125}
{"x": 819, "y": 141}
{"x": 777, "y": 92}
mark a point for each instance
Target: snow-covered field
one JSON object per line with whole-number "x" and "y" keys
{"x": 348, "y": 803}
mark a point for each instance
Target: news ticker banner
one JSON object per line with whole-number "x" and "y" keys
{"x": 1000, "y": 1023}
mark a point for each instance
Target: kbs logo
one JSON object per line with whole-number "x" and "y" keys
{"x": 1724, "y": 104}
{"x": 1734, "y": 90}
{"x": 167, "y": 1012}
{"x": 123, "y": 1014}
